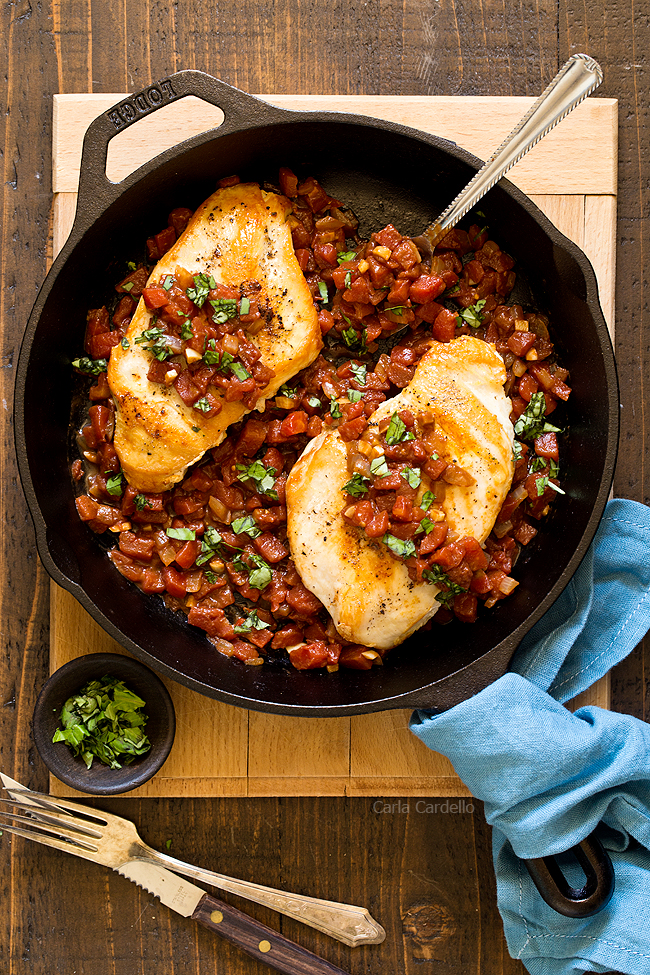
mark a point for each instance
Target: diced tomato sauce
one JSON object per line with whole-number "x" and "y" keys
{"x": 215, "y": 546}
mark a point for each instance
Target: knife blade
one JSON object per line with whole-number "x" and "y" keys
{"x": 256, "y": 939}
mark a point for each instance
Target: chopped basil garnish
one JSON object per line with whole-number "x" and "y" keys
{"x": 348, "y": 280}
{"x": 203, "y": 404}
{"x": 224, "y": 308}
{"x": 251, "y": 622}
{"x": 244, "y": 306}
{"x": 314, "y": 402}
{"x": 211, "y": 357}
{"x": 127, "y": 286}
{"x": 288, "y": 391}
{"x": 379, "y": 467}
{"x": 201, "y": 289}
{"x": 357, "y": 485}
{"x": 141, "y": 502}
{"x": 182, "y": 534}
{"x": 426, "y": 525}
{"x": 104, "y": 720}
{"x": 346, "y": 256}
{"x": 186, "y": 330}
{"x": 359, "y": 372}
{"x": 132, "y": 266}
{"x": 246, "y": 526}
{"x": 259, "y": 574}
{"x": 239, "y": 371}
{"x": 532, "y": 422}
{"x": 354, "y": 395}
{"x": 158, "y": 347}
{"x": 397, "y": 432}
{"x": 92, "y": 367}
{"x": 322, "y": 288}
{"x": 472, "y": 316}
{"x": 210, "y": 546}
{"x": 354, "y": 339}
{"x": 436, "y": 576}
{"x": 412, "y": 476}
{"x": 167, "y": 282}
{"x": 125, "y": 343}
{"x": 115, "y": 484}
{"x": 209, "y": 575}
{"x": 335, "y": 411}
{"x": 403, "y": 548}
{"x": 262, "y": 477}
{"x": 428, "y": 498}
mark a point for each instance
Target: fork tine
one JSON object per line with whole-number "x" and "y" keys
{"x": 52, "y": 830}
{"x": 52, "y": 841}
{"x": 58, "y": 805}
{"x": 71, "y": 826}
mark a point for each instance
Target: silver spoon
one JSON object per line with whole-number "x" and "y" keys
{"x": 574, "y": 81}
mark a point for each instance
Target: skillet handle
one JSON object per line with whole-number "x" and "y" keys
{"x": 576, "y": 902}
{"x": 96, "y": 191}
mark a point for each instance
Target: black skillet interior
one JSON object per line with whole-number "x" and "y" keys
{"x": 386, "y": 173}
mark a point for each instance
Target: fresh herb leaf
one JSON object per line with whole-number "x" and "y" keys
{"x": 412, "y": 476}
{"x": 246, "y": 526}
{"x": 354, "y": 395}
{"x": 397, "y": 432}
{"x": 104, "y": 720}
{"x": 472, "y": 316}
{"x": 127, "y": 286}
{"x": 428, "y": 498}
{"x": 212, "y": 357}
{"x": 263, "y": 478}
{"x": 314, "y": 402}
{"x": 379, "y": 467}
{"x": 201, "y": 289}
{"x": 239, "y": 371}
{"x": 158, "y": 343}
{"x": 224, "y": 309}
{"x": 532, "y": 422}
{"x": 91, "y": 367}
{"x": 359, "y": 371}
{"x": 141, "y": 502}
{"x": 322, "y": 288}
{"x": 182, "y": 534}
{"x": 250, "y": 622}
{"x": 353, "y": 339}
{"x": 167, "y": 282}
{"x": 259, "y": 573}
{"x": 244, "y": 306}
{"x": 426, "y": 525}
{"x": 203, "y": 404}
{"x": 211, "y": 545}
{"x": 346, "y": 256}
{"x": 335, "y": 410}
{"x": 436, "y": 576}
{"x": 115, "y": 484}
{"x": 403, "y": 548}
{"x": 357, "y": 485}
{"x": 186, "y": 330}
{"x": 125, "y": 343}
{"x": 132, "y": 266}
{"x": 288, "y": 391}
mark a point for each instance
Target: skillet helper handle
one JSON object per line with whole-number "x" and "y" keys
{"x": 576, "y": 902}
{"x": 259, "y": 941}
{"x": 238, "y": 107}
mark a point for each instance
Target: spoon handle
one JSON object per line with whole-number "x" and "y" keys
{"x": 575, "y": 80}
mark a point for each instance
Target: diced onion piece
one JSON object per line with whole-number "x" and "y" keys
{"x": 167, "y": 554}
{"x": 219, "y": 510}
{"x": 192, "y": 356}
{"x": 254, "y": 661}
{"x": 332, "y": 668}
{"x": 508, "y": 585}
{"x": 502, "y": 528}
{"x": 284, "y": 403}
{"x": 230, "y": 344}
{"x": 519, "y": 367}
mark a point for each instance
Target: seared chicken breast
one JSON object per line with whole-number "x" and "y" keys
{"x": 239, "y": 234}
{"x": 369, "y": 594}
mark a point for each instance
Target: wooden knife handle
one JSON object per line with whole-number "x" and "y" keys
{"x": 260, "y": 941}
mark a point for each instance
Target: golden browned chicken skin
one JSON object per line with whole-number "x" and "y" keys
{"x": 239, "y": 234}
{"x": 368, "y": 594}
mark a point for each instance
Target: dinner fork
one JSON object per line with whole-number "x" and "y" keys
{"x": 113, "y": 841}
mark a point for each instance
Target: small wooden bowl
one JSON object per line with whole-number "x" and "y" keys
{"x": 99, "y": 779}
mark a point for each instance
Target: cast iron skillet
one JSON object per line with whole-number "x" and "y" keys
{"x": 386, "y": 172}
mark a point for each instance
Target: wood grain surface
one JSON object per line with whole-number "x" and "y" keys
{"x": 426, "y": 875}
{"x": 255, "y": 754}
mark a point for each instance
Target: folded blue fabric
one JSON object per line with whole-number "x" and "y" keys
{"x": 548, "y": 778}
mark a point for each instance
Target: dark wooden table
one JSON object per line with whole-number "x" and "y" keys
{"x": 60, "y": 916}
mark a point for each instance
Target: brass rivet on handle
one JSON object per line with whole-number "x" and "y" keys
{"x": 264, "y": 946}
{"x": 216, "y": 917}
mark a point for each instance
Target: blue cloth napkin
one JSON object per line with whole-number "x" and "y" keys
{"x": 548, "y": 778}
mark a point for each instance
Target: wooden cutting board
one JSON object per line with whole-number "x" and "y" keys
{"x": 225, "y": 751}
